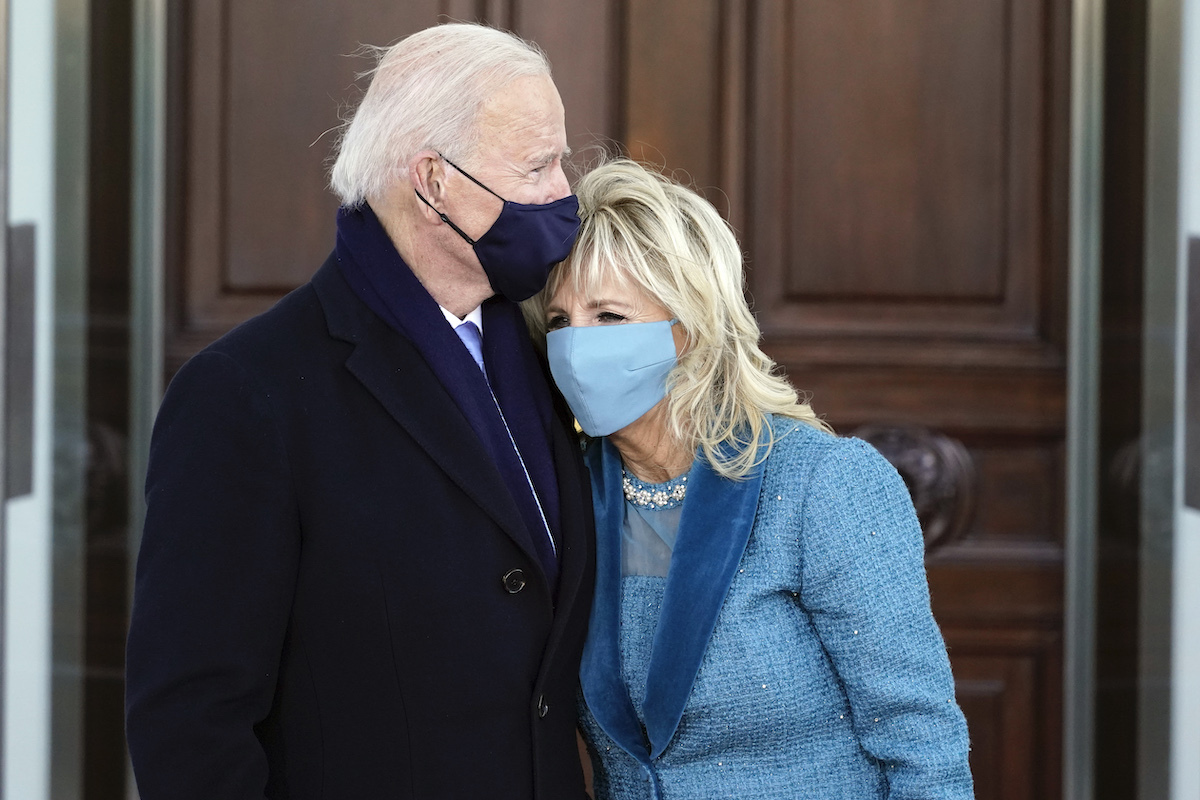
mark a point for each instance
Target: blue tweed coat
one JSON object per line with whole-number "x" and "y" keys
{"x": 795, "y": 655}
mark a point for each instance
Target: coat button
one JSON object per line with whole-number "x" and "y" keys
{"x": 514, "y": 581}
{"x": 542, "y": 707}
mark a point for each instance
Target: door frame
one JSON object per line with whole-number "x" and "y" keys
{"x": 1083, "y": 390}
{"x": 150, "y": 40}
{"x": 4, "y": 300}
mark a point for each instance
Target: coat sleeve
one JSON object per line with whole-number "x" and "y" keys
{"x": 214, "y": 584}
{"x": 863, "y": 582}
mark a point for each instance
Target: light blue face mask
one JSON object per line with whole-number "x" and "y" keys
{"x": 611, "y": 374}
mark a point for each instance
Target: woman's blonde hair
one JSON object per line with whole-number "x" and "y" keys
{"x": 644, "y": 230}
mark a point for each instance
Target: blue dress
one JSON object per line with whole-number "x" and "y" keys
{"x": 789, "y": 651}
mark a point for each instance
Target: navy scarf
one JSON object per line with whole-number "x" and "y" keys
{"x": 378, "y": 275}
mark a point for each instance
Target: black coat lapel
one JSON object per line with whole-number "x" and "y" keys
{"x": 575, "y": 512}
{"x": 394, "y": 372}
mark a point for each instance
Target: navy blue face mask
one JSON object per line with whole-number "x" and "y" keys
{"x": 523, "y": 244}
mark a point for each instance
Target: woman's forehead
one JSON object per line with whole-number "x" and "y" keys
{"x": 597, "y": 283}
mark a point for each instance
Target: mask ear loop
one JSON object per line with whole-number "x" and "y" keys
{"x": 441, "y": 215}
{"x": 445, "y": 219}
{"x": 471, "y": 177}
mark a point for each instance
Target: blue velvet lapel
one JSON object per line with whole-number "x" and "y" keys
{"x": 600, "y": 668}
{"x": 714, "y": 528}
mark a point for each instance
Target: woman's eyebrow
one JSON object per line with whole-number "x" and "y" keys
{"x": 605, "y": 302}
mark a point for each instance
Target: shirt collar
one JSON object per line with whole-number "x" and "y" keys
{"x": 476, "y": 316}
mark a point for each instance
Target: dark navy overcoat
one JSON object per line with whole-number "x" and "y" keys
{"x": 336, "y": 596}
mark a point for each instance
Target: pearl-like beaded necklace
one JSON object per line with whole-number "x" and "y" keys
{"x": 654, "y": 496}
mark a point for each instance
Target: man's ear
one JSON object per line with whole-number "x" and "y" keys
{"x": 427, "y": 173}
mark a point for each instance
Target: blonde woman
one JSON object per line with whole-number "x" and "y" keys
{"x": 761, "y": 624}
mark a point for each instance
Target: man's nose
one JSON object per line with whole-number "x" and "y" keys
{"x": 558, "y": 187}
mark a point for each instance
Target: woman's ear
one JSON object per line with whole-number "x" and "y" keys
{"x": 683, "y": 341}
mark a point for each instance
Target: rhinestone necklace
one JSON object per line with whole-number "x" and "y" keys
{"x": 654, "y": 496}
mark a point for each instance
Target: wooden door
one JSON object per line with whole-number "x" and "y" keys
{"x": 897, "y": 172}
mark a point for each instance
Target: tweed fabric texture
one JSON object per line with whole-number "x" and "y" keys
{"x": 826, "y": 676}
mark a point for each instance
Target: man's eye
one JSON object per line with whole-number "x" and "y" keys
{"x": 556, "y": 322}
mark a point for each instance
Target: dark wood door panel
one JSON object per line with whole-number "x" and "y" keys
{"x": 255, "y": 118}
{"x": 1005, "y": 679}
{"x": 672, "y": 93}
{"x": 897, "y": 111}
{"x": 255, "y": 218}
{"x": 264, "y": 110}
{"x": 683, "y": 90}
{"x": 583, "y": 40}
{"x": 903, "y": 172}
{"x": 1011, "y": 402}
{"x": 280, "y": 97}
{"x": 1023, "y": 594}
{"x": 981, "y": 500}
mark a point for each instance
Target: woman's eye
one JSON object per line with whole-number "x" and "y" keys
{"x": 609, "y": 316}
{"x": 556, "y": 322}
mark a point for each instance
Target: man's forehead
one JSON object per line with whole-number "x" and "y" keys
{"x": 525, "y": 141}
{"x": 521, "y": 148}
{"x": 546, "y": 155}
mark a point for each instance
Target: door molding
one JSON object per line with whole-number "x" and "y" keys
{"x": 1083, "y": 393}
{"x": 4, "y": 300}
{"x": 150, "y": 38}
{"x": 1160, "y": 484}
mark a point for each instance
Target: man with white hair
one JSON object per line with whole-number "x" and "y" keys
{"x": 367, "y": 563}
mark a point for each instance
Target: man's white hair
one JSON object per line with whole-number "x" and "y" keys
{"x": 426, "y": 92}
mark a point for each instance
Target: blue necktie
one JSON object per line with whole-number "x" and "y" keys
{"x": 473, "y": 341}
